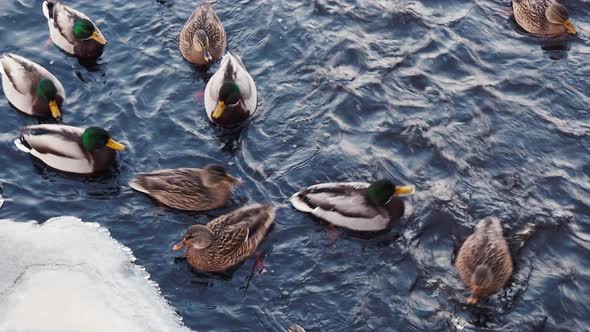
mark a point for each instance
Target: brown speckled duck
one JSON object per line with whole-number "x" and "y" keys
{"x": 484, "y": 262}
{"x": 189, "y": 189}
{"x": 227, "y": 240}
{"x": 543, "y": 17}
{"x": 203, "y": 39}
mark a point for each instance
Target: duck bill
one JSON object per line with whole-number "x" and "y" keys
{"x": 570, "y": 27}
{"x": 404, "y": 190}
{"x": 115, "y": 145}
{"x": 99, "y": 39}
{"x": 54, "y": 109}
{"x": 179, "y": 245}
{"x": 207, "y": 56}
{"x": 218, "y": 110}
{"x": 231, "y": 180}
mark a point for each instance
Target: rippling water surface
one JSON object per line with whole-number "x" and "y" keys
{"x": 448, "y": 95}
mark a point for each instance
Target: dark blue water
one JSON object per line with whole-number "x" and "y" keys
{"x": 448, "y": 95}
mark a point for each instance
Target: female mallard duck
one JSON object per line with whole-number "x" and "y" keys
{"x": 30, "y": 88}
{"x": 70, "y": 149}
{"x": 189, "y": 189}
{"x": 358, "y": 206}
{"x": 73, "y": 31}
{"x": 484, "y": 261}
{"x": 542, "y": 17}
{"x": 203, "y": 40}
{"x": 228, "y": 240}
{"x": 230, "y": 95}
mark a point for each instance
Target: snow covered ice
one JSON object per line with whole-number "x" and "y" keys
{"x": 67, "y": 275}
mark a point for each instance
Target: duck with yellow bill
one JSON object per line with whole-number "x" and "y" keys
{"x": 30, "y": 88}
{"x": 230, "y": 94}
{"x": 70, "y": 149}
{"x": 72, "y": 31}
{"x": 359, "y": 206}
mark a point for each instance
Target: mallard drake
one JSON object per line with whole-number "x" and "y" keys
{"x": 203, "y": 39}
{"x": 73, "y": 31}
{"x": 70, "y": 149}
{"x": 227, "y": 240}
{"x": 189, "y": 189}
{"x": 30, "y": 88}
{"x": 358, "y": 206}
{"x": 542, "y": 17}
{"x": 484, "y": 261}
{"x": 230, "y": 95}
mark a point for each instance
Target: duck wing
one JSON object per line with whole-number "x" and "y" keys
{"x": 185, "y": 181}
{"x": 243, "y": 229}
{"x": 244, "y": 81}
{"x": 21, "y": 73}
{"x": 62, "y": 18}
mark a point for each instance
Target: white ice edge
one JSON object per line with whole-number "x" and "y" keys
{"x": 68, "y": 275}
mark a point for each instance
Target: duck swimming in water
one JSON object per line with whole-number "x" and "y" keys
{"x": 230, "y": 94}
{"x": 358, "y": 206}
{"x": 484, "y": 262}
{"x": 30, "y": 88}
{"x": 70, "y": 149}
{"x": 189, "y": 189}
{"x": 543, "y": 17}
{"x": 72, "y": 31}
{"x": 203, "y": 39}
{"x": 227, "y": 240}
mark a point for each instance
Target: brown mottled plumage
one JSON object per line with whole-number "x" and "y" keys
{"x": 189, "y": 189}
{"x": 227, "y": 240}
{"x": 484, "y": 262}
{"x": 203, "y": 39}
{"x": 542, "y": 17}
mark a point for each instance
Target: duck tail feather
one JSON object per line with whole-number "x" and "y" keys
{"x": 48, "y": 6}
{"x": 136, "y": 184}
{"x": 299, "y": 204}
{"x": 22, "y": 145}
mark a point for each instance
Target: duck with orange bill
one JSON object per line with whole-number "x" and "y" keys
{"x": 359, "y": 206}
{"x": 72, "y": 31}
{"x": 547, "y": 18}
{"x": 70, "y": 149}
{"x": 30, "y": 88}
